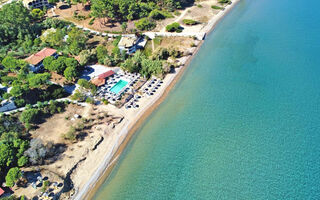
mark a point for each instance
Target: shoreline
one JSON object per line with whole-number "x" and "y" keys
{"x": 129, "y": 129}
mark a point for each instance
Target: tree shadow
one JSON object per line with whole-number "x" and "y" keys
{"x": 81, "y": 136}
{"x": 55, "y": 152}
{"x": 63, "y": 7}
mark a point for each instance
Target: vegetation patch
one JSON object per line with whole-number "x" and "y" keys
{"x": 217, "y": 7}
{"x": 174, "y": 27}
{"x": 190, "y": 22}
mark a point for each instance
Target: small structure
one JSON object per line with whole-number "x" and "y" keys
{"x": 127, "y": 43}
{"x": 35, "y": 3}
{"x": 7, "y": 105}
{"x": 101, "y": 79}
{"x": 35, "y": 60}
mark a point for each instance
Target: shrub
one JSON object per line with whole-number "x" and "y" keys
{"x": 78, "y": 96}
{"x": 145, "y": 24}
{"x": 174, "y": 27}
{"x": 199, "y": 6}
{"x": 29, "y": 115}
{"x": 190, "y": 22}
{"x": 216, "y": 7}
{"x": 45, "y": 186}
{"x": 70, "y": 135}
{"x": 176, "y": 13}
{"x": 87, "y": 85}
{"x": 89, "y": 100}
{"x": 105, "y": 101}
{"x": 91, "y": 21}
{"x": 156, "y": 14}
{"x": 224, "y": 1}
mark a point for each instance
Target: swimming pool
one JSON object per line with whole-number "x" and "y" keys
{"x": 118, "y": 86}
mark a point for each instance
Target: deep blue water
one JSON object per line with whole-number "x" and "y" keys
{"x": 243, "y": 122}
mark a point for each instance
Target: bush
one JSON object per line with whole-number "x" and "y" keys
{"x": 87, "y": 85}
{"x": 78, "y": 96}
{"x": 91, "y": 21}
{"x": 190, "y": 22}
{"x": 145, "y": 24}
{"x": 176, "y": 13}
{"x": 199, "y": 6}
{"x": 116, "y": 41}
{"x": 45, "y": 186}
{"x": 216, "y": 7}
{"x": 105, "y": 101}
{"x": 174, "y": 27}
{"x": 224, "y": 1}
{"x": 156, "y": 14}
{"x": 89, "y": 100}
{"x": 29, "y": 115}
{"x": 70, "y": 135}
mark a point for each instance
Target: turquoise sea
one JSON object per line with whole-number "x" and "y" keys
{"x": 243, "y": 122}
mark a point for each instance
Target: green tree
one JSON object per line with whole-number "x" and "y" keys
{"x": 47, "y": 62}
{"x": 12, "y": 64}
{"x": 53, "y": 37}
{"x": 76, "y": 41}
{"x": 6, "y": 155}
{"x": 102, "y": 52}
{"x": 29, "y": 115}
{"x": 145, "y": 24}
{"x": 16, "y": 22}
{"x": 58, "y": 65}
{"x": 70, "y": 73}
{"x": 38, "y": 80}
{"x": 37, "y": 13}
{"x": 22, "y": 161}
{"x": 12, "y": 176}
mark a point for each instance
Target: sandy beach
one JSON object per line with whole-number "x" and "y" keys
{"x": 90, "y": 174}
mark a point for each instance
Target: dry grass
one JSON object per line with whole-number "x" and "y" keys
{"x": 52, "y": 129}
{"x": 183, "y": 43}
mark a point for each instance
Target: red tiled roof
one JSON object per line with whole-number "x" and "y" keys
{"x": 98, "y": 82}
{"x": 1, "y": 191}
{"x": 38, "y": 57}
{"x": 106, "y": 74}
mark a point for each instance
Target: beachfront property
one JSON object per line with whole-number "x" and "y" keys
{"x": 35, "y": 60}
{"x": 111, "y": 85}
{"x": 35, "y": 3}
{"x": 127, "y": 43}
{"x": 130, "y": 44}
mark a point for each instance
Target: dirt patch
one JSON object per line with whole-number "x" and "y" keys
{"x": 57, "y": 78}
{"x": 65, "y": 12}
{"x": 183, "y": 43}
{"x": 58, "y": 124}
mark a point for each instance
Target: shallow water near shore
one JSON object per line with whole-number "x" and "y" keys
{"x": 244, "y": 120}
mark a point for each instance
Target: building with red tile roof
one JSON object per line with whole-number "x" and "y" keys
{"x": 35, "y": 60}
{"x": 38, "y": 57}
{"x": 1, "y": 191}
{"x": 101, "y": 79}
